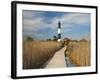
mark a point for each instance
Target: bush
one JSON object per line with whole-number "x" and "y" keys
{"x": 29, "y": 38}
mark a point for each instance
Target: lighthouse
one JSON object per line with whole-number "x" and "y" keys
{"x": 59, "y": 31}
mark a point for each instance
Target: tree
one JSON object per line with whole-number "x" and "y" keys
{"x": 49, "y": 39}
{"x": 55, "y": 38}
{"x": 29, "y": 38}
{"x": 66, "y": 41}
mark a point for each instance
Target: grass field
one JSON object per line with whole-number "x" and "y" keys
{"x": 36, "y": 53}
{"x": 79, "y": 53}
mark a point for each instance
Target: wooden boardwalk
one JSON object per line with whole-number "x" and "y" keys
{"x": 58, "y": 60}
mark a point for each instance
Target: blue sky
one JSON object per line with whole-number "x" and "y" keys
{"x": 42, "y": 25}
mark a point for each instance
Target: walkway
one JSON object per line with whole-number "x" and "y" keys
{"x": 58, "y": 60}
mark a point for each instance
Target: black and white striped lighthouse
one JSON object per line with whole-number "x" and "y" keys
{"x": 59, "y": 31}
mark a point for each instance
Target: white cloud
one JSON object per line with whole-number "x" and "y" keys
{"x": 28, "y": 14}
{"x": 74, "y": 18}
{"x": 35, "y": 19}
{"x": 31, "y": 22}
{"x": 78, "y": 18}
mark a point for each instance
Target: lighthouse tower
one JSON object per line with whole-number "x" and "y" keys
{"x": 59, "y": 31}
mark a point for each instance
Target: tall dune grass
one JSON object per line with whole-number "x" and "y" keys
{"x": 37, "y": 53}
{"x": 79, "y": 53}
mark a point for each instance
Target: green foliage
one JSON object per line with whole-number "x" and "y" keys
{"x": 49, "y": 39}
{"x": 55, "y": 38}
{"x": 29, "y": 38}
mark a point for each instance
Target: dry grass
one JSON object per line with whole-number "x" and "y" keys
{"x": 36, "y": 53}
{"x": 80, "y": 53}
